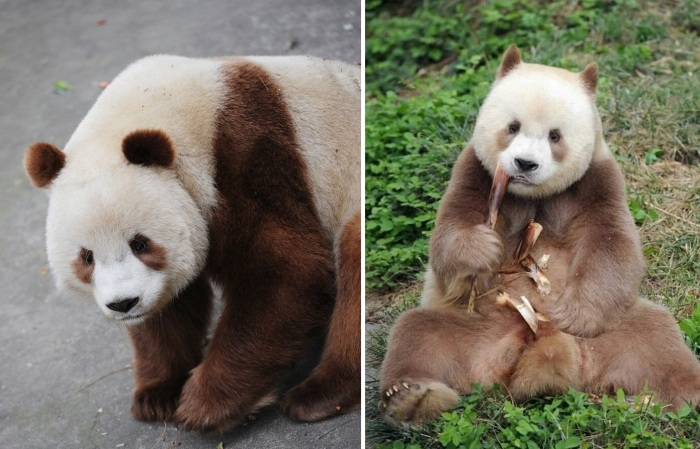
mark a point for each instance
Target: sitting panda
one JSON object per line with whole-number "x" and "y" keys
{"x": 541, "y": 124}
{"x": 241, "y": 172}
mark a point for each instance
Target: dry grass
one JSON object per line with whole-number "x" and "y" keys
{"x": 671, "y": 242}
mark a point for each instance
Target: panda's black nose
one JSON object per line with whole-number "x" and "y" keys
{"x": 525, "y": 165}
{"x": 124, "y": 305}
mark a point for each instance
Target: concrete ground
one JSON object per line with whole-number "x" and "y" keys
{"x": 64, "y": 380}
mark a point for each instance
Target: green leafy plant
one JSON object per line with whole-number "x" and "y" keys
{"x": 691, "y": 329}
{"x": 653, "y": 156}
{"x": 641, "y": 212}
{"x": 61, "y": 86}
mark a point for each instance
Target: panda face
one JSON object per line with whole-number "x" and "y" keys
{"x": 540, "y": 125}
{"x": 129, "y": 287}
{"x": 132, "y": 244}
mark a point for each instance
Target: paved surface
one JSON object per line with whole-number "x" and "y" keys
{"x": 62, "y": 377}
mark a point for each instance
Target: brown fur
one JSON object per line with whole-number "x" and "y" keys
{"x": 333, "y": 386}
{"x": 269, "y": 254}
{"x": 587, "y": 229}
{"x": 494, "y": 345}
{"x": 154, "y": 256}
{"x": 589, "y": 77}
{"x": 148, "y": 147}
{"x": 559, "y": 149}
{"x": 510, "y": 60}
{"x": 82, "y": 269}
{"x": 166, "y": 347}
{"x": 42, "y": 162}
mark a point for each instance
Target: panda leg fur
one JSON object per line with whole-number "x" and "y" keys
{"x": 434, "y": 354}
{"x": 644, "y": 350}
{"x": 548, "y": 366}
{"x": 334, "y": 385}
{"x": 166, "y": 347}
{"x": 277, "y": 303}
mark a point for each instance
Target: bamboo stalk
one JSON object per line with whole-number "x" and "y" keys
{"x": 499, "y": 185}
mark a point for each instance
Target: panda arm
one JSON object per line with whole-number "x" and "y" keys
{"x": 462, "y": 245}
{"x": 607, "y": 265}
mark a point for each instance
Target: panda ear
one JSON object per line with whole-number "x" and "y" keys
{"x": 149, "y": 147}
{"x": 589, "y": 77}
{"x": 43, "y": 162}
{"x": 511, "y": 59}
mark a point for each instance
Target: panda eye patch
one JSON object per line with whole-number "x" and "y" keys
{"x": 554, "y": 135}
{"x": 86, "y": 256}
{"x": 139, "y": 244}
{"x": 514, "y": 127}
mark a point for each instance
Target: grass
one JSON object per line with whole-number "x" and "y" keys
{"x": 429, "y": 66}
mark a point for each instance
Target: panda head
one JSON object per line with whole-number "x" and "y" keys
{"x": 541, "y": 124}
{"x": 125, "y": 232}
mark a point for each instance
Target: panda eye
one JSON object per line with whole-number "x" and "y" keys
{"x": 514, "y": 127}
{"x": 86, "y": 255}
{"x": 554, "y": 135}
{"x": 139, "y": 244}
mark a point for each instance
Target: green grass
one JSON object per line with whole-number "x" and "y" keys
{"x": 430, "y": 65}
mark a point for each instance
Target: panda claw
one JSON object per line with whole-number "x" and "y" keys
{"x": 405, "y": 385}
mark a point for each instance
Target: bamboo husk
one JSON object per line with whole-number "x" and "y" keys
{"x": 524, "y": 308}
{"x": 537, "y": 275}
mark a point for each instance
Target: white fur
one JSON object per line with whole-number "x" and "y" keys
{"x": 103, "y": 216}
{"x": 180, "y": 96}
{"x": 99, "y": 201}
{"x": 542, "y": 99}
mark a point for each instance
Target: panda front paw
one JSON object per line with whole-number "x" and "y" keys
{"x": 462, "y": 255}
{"x": 157, "y": 403}
{"x": 205, "y": 406}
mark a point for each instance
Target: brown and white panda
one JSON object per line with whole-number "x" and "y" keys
{"x": 240, "y": 171}
{"x": 541, "y": 124}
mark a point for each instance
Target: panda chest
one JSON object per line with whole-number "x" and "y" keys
{"x": 549, "y": 250}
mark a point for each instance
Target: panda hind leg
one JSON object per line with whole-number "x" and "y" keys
{"x": 646, "y": 353}
{"x": 409, "y": 403}
{"x": 435, "y": 354}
